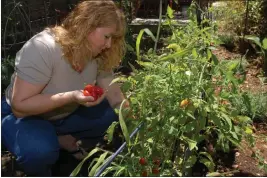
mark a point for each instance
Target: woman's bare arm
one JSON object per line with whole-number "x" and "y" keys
{"x": 27, "y": 100}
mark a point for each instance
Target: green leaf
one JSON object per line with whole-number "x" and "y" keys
{"x": 264, "y": 43}
{"x": 123, "y": 125}
{"x": 194, "y": 53}
{"x": 244, "y": 119}
{"x": 119, "y": 172}
{"x": 171, "y": 119}
{"x": 248, "y": 130}
{"x": 170, "y": 12}
{"x": 233, "y": 65}
{"x": 189, "y": 127}
{"x": 149, "y": 33}
{"x": 235, "y": 142}
{"x": 190, "y": 161}
{"x": 99, "y": 161}
{"x": 138, "y": 40}
{"x": 231, "y": 77}
{"x": 92, "y": 163}
{"x": 129, "y": 47}
{"x": 207, "y": 155}
{"x": 132, "y": 67}
{"x": 107, "y": 170}
{"x": 191, "y": 143}
{"x": 234, "y": 135}
{"x": 174, "y": 55}
{"x": 110, "y": 131}
{"x": 78, "y": 168}
{"x": 190, "y": 115}
{"x": 174, "y": 46}
{"x": 119, "y": 79}
{"x": 213, "y": 174}
{"x": 146, "y": 64}
{"x": 209, "y": 54}
{"x": 254, "y": 39}
{"x": 150, "y": 140}
{"x": 137, "y": 44}
{"x": 216, "y": 121}
{"x": 209, "y": 164}
{"x": 172, "y": 130}
{"x": 126, "y": 86}
{"x": 228, "y": 120}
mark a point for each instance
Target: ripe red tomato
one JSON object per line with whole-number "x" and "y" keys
{"x": 94, "y": 95}
{"x": 86, "y": 93}
{"x": 142, "y": 161}
{"x": 155, "y": 171}
{"x": 94, "y": 91}
{"x": 99, "y": 91}
{"x": 156, "y": 162}
{"x": 89, "y": 88}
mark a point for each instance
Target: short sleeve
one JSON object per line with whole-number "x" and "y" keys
{"x": 33, "y": 62}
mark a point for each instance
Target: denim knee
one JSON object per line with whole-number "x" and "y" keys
{"x": 33, "y": 141}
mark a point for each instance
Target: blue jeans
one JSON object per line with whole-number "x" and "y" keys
{"x": 34, "y": 142}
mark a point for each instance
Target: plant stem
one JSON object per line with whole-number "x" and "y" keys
{"x": 158, "y": 32}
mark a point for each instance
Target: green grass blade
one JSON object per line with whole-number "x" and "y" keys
{"x": 123, "y": 125}
{"x": 100, "y": 160}
{"x": 78, "y": 168}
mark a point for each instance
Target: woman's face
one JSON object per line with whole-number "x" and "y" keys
{"x": 100, "y": 39}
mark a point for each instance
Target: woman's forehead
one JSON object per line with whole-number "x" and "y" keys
{"x": 108, "y": 29}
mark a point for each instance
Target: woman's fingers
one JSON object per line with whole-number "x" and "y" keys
{"x": 93, "y": 103}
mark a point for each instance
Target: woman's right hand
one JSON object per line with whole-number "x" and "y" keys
{"x": 87, "y": 101}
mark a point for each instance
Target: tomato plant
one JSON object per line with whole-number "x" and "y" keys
{"x": 174, "y": 96}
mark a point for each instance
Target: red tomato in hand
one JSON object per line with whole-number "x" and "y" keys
{"x": 94, "y": 95}
{"x": 99, "y": 91}
{"x": 86, "y": 93}
{"x": 94, "y": 91}
{"x": 89, "y": 88}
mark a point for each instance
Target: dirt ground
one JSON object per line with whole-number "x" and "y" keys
{"x": 242, "y": 163}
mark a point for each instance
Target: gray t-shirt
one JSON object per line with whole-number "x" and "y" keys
{"x": 40, "y": 61}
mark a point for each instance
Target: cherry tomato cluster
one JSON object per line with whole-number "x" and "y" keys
{"x": 155, "y": 169}
{"x": 94, "y": 91}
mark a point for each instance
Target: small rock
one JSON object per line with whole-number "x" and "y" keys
{"x": 235, "y": 166}
{"x": 220, "y": 171}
